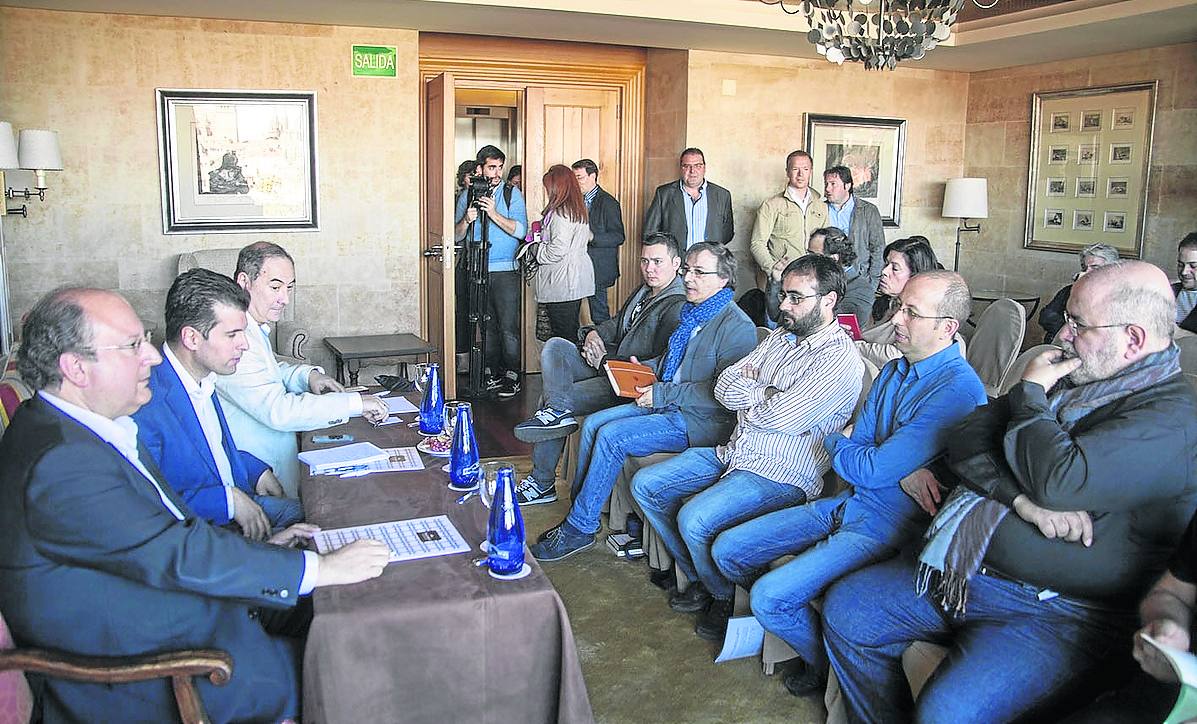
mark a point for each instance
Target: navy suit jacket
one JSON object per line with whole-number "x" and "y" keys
{"x": 93, "y": 563}
{"x": 171, "y": 432}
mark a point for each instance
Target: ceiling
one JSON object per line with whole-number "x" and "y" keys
{"x": 1047, "y": 30}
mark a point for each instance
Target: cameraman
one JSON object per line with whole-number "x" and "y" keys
{"x": 506, "y": 223}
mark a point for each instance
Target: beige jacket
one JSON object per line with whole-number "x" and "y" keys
{"x": 781, "y": 229}
{"x": 566, "y": 272}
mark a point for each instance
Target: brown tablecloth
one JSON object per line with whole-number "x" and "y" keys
{"x": 438, "y": 639}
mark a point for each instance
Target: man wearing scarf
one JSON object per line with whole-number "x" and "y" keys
{"x": 678, "y": 411}
{"x": 1037, "y": 608}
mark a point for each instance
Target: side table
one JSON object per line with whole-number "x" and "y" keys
{"x": 353, "y": 350}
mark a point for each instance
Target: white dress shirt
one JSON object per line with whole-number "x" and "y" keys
{"x": 792, "y": 194}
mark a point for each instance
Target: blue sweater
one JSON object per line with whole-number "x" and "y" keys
{"x": 502, "y": 245}
{"x": 902, "y": 427}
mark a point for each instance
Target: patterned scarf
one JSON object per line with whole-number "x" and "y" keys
{"x": 693, "y": 316}
{"x": 960, "y": 532}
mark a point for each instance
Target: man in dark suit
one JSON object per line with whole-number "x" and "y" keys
{"x": 692, "y": 209}
{"x": 183, "y": 426}
{"x": 100, "y": 557}
{"x": 606, "y": 224}
{"x": 862, "y": 221}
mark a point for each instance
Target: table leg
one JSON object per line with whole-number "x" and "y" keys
{"x": 340, "y": 369}
{"x": 353, "y": 370}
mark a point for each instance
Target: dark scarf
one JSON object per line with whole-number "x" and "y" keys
{"x": 693, "y": 316}
{"x": 960, "y": 533}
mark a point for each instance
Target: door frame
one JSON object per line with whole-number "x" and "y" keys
{"x": 479, "y": 62}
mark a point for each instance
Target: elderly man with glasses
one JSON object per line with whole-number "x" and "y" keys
{"x": 901, "y": 428}
{"x": 677, "y": 411}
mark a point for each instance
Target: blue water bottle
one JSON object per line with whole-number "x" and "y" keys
{"x": 432, "y": 406}
{"x": 464, "y": 469}
{"x": 505, "y": 530}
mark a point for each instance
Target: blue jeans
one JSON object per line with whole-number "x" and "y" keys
{"x": 569, "y": 384}
{"x": 781, "y": 599}
{"x": 600, "y": 310}
{"x": 281, "y": 512}
{"x": 608, "y": 438}
{"x": 719, "y": 504}
{"x": 1011, "y": 655}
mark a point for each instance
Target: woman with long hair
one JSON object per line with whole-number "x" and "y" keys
{"x": 566, "y": 275}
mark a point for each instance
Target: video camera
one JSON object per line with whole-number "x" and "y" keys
{"x": 476, "y": 188}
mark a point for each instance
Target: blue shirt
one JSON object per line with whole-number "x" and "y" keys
{"x": 696, "y": 214}
{"x": 841, "y": 218}
{"x": 502, "y": 245}
{"x": 902, "y": 427}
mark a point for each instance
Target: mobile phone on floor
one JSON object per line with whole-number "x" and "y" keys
{"x": 320, "y": 439}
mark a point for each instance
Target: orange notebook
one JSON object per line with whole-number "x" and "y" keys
{"x": 625, "y": 377}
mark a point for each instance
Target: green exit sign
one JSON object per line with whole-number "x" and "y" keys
{"x": 374, "y": 60}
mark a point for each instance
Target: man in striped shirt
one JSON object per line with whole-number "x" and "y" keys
{"x": 799, "y": 385}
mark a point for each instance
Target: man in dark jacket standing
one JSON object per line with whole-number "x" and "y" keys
{"x": 692, "y": 209}
{"x": 574, "y": 380}
{"x": 606, "y": 224}
{"x": 1066, "y": 508}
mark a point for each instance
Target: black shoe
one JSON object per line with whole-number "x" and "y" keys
{"x": 508, "y": 388}
{"x": 694, "y": 599}
{"x": 805, "y": 681}
{"x": 712, "y": 625}
{"x": 634, "y": 526}
{"x": 545, "y": 535}
{"x": 664, "y": 580}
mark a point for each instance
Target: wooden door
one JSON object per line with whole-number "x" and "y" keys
{"x": 437, "y": 254}
{"x": 564, "y": 125}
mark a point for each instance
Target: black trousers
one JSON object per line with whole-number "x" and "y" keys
{"x": 503, "y": 328}
{"x": 563, "y": 318}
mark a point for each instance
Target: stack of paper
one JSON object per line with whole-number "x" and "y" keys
{"x": 343, "y": 459}
{"x": 407, "y": 539}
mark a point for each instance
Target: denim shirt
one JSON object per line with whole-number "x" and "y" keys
{"x": 841, "y": 218}
{"x": 902, "y": 427}
{"x": 502, "y": 244}
{"x": 696, "y": 214}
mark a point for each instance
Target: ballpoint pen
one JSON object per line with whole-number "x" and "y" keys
{"x": 466, "y": 497}
{"x": 346, "y": 469}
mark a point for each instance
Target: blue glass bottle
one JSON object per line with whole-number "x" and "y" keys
{"x": 505, "y": 531}
{"x": 432, "y": 406}
{"x": 464, "y": 469}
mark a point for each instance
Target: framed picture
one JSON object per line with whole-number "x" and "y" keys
{"x": 237, "y": 161}
{"x": 1105, "y": 133}
{"x": 873, "y": 149}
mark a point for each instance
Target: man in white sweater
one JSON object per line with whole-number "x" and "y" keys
{"x": 266, "y": 400}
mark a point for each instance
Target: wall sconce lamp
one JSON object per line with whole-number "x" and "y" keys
{"x": 38, "y": 152}
{"x": 964, "y": 199}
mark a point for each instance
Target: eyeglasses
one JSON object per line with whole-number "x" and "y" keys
{"x": 1076, "y": 327}
{"x": 911, "y": 314}
{"x": 134, "y": 346}
{"x": 794, "y": 298}
{"x": 684, "y": 270}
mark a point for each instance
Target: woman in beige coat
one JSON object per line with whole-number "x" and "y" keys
{"x": 565, "y": 276}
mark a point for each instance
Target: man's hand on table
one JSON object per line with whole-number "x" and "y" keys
{"x": 248, "y": 514}
{"x": 374, "y": 409}
{"x": 319, "y": 383}
{"x": 359, "y": 561}
{"x": 294, "y": 536}
{"x": 268, "y": 484}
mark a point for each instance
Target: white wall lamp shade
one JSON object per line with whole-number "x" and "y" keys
{"x": 8, "y": 147}
{"x": 964, "y": 198}
{"x": 38, "y": 150}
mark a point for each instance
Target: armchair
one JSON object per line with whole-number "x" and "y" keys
{"x": 288, "y": 335}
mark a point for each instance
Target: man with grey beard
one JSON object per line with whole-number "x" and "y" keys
{"x": 1037, "y": 607}
{"x": 799, "y": 385}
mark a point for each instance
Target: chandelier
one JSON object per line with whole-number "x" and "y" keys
{"x": 877, "y": 33}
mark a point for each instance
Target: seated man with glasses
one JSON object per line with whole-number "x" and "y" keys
{"x": 1037, "y": 608}
{"x": 678, "y": 411}
{"x": 574, "y": 380}
{"x": 901, "y": 428}
{"x": 799, "y": 385}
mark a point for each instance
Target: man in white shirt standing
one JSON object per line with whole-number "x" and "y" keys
{"x": 183, "y": 426}
{"x": 267, "y": 400}
{"x": 785, "y": 222}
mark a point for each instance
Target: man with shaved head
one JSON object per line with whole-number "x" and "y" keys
{"x": 1068, "y": 496}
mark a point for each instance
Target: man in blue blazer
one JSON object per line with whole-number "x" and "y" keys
{"x": 183, "y": 426}
{"x": 100, "y": 557}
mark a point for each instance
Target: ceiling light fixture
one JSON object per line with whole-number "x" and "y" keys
{"x": 877, "y": 33}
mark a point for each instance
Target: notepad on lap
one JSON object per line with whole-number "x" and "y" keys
{"x": 625, "y": 377}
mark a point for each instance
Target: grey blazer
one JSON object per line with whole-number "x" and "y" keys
{"x": 727, "y": 338}
{"x": 668, "y": 213}
{"x": 868, "y": 236}
{"x": 649, "y": 336}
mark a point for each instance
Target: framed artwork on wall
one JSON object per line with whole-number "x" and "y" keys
{"x": 1095, "y": 145}
{"x": 872, "y": 148}
{"x": 237, "y": 161}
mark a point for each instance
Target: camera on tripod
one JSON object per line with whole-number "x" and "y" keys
{"x": 476, "y": 188}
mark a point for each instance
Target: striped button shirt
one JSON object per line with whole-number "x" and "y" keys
{"x": 780, "y": 436}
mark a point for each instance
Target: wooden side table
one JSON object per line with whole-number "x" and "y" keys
{"x": 353, "y": 350}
